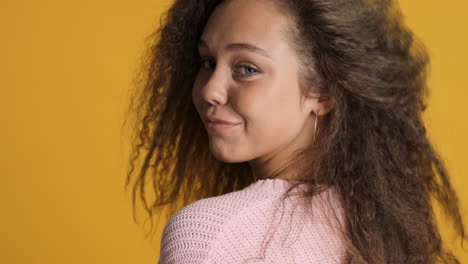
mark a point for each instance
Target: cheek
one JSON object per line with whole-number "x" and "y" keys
{"x": 266, "y": 108}
{"x": 272, "y": 110}
{"x": 253, "y": 101}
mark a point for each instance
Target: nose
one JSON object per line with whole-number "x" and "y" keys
{"x": 214, "y": 88}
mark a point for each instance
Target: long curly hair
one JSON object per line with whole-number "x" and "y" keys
{"x": 372, "y": 146}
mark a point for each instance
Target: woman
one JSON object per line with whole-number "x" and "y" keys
{"x": 292, "y": 132}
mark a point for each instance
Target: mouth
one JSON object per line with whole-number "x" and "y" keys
{"x": 219, "y": 127}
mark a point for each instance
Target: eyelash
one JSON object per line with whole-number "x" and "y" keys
{"x": 203, "y": 60}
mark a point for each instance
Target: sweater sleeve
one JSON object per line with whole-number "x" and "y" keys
{"x": 281, "y": 232}
{"x": 248, "y": 227}
{"x": 191, "y": 232}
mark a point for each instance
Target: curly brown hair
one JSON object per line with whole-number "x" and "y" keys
{"x": 372, "y": 146}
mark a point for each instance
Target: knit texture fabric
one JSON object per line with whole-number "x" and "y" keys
{"x": 255, "y": 225}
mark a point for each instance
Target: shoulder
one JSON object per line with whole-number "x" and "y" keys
{"x": 218, "y": 209}
{"x": 282, "y": 231}
{"x": 190, "y": 233}
{"x": 237, "y": 226}
{"x": 214, "y": 211}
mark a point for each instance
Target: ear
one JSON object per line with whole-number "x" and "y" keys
{"x": 317, "y": 103}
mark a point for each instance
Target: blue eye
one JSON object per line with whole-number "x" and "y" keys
{"x": 242, "y": 69}
{"x": 247, "y": 70}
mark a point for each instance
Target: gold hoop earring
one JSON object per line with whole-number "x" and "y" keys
{"x": 315, "y": 125}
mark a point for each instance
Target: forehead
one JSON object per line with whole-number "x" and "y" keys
{"x": 258, "y": 22}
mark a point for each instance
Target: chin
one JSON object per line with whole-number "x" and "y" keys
{"x": 226, "y": 156}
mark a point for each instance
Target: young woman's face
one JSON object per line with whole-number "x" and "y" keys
{"x": 249, "y": 76}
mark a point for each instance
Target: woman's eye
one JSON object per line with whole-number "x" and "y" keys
{"x": 247, "y": 70}
{"x": 209, "y": 64}
{"x": 206, "y": 63}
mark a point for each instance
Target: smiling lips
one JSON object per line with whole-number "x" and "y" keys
{"x": 217, "y": 125}
{"x": 213, "y": 119}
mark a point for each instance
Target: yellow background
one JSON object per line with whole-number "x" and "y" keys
{"x": 65, "y": 68}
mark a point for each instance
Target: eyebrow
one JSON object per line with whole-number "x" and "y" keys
{"x": 240, "y": 46}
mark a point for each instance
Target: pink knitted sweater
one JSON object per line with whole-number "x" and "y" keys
{"x": 235, "y": 227}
